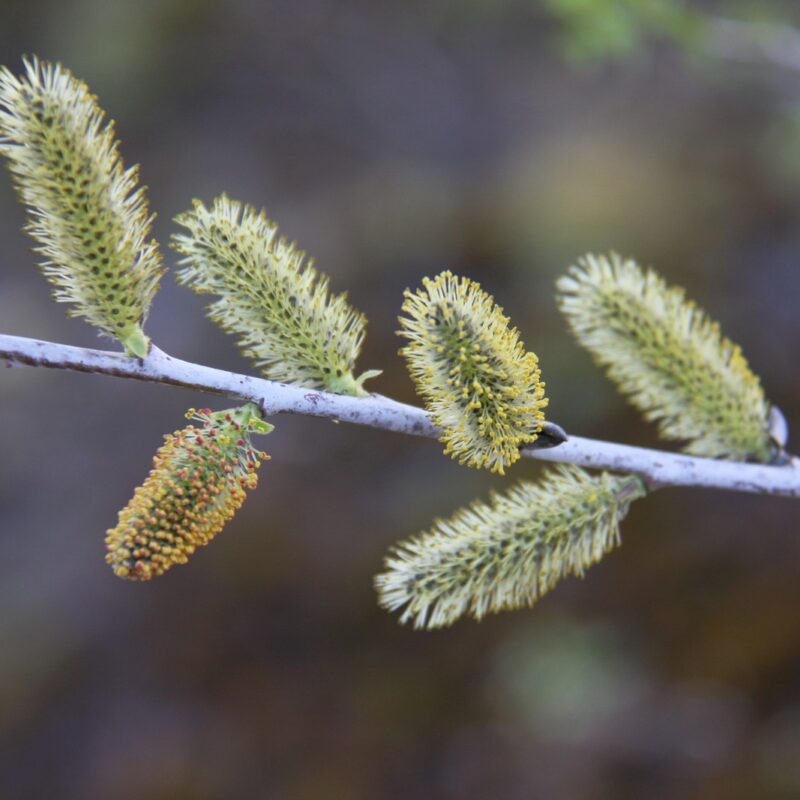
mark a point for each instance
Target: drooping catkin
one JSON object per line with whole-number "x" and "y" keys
{"x": 668, "y": 357}
{"x": 478, "y": 383}
{"x": 509, "y": 552}
{"x": 199, "y": 480}
{"x": 87, "y": 213}
{"x": 270, "y": 297}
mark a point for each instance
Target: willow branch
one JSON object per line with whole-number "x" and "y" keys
{"x": 658, "y": 468}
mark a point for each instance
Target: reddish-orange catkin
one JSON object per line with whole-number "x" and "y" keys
{"x": 199, "y": 480}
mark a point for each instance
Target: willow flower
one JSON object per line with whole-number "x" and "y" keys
{"x": 668, "y": 357}
{"x": 509, "y": 552}
{"x": 270, "y": 297}
{"x": 199, "y": 480}
{"x": 87, "y": 214}
{"x": 478, "y": 383}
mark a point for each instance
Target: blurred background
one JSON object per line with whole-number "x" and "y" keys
{"x": 501, "y": 139}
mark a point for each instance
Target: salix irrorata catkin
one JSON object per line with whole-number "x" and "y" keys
{"x": 270, "y": 297}
{"x": 509, "y": 552}
{"x": 668, "y": 357}
{"x": 87, "y": 213}
{"x": 479, "y": 385}
{"x": 199, "y": 480}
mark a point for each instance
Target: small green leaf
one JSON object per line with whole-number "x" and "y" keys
{"x": 135, "y": 341}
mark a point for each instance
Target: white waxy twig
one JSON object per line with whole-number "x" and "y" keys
{"x": 658, "y": 468}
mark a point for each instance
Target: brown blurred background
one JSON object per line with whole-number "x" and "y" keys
{"x": 393, "y": 140}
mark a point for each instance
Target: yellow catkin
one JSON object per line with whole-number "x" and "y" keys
{"x": 270, "y": 297}
{"x": 668, "y": 357}
{"x": 86, "y": 211}
{"x": 507, "y": 553}
{"x": 199, "y": 480}
{"x": 479, "y": 384}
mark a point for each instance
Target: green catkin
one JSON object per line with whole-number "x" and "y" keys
{"x": 270, "y": 297}
{"x": 87, "y": 214}
{"x": 668, "y": 357}
{"x": 509, "y": 552}
{"x": 479, "y": 385}
{"x": 198, "y": 482}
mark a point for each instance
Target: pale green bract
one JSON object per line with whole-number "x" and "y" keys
{"x": 668, "y": 357}
{"x": 270, "y": 297}
{"x": 509, "y": 552}
{"x": 87, "y": 213}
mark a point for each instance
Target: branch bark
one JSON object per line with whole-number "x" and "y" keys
{"x": 658, "y": 468}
